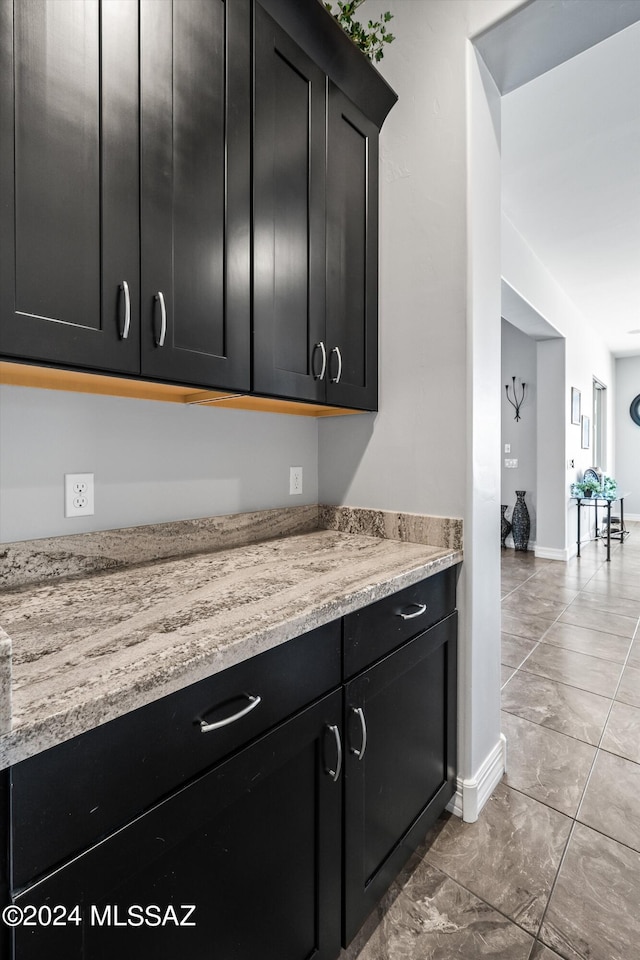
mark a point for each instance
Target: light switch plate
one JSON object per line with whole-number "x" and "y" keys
{"x": 507, "y": 448}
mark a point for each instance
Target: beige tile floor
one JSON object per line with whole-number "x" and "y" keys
{"x": 552, "y": 867}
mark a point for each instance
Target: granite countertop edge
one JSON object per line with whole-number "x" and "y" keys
{"x": 177, "y": 665}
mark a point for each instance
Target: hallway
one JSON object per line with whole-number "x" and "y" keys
{"x": 552, "y": 867}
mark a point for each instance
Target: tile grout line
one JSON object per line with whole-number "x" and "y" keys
{"x": 479, "y": 896}
{"x": 607, "y": 718}
{"x": 541, "y": 640}
{"x": 598, "y": 748}
{"x": 573, "y": 819}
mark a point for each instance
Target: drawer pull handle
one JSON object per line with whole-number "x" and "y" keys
{"x": 124, "y": 333}
{"x": 422, "y": 608}
{"x": 363, "y": 745}
{"x": 334, "y": 774}
{"x": 320, "y": 346}
{"x": 163, "y": 319}
{"x": 336, "y": 379}
{"x": 206, "y": 727}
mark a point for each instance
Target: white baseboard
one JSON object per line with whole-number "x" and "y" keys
{"x": 555, "y": 553}
{"x": 472, "y": 794}
{"x": 632, "y": 516}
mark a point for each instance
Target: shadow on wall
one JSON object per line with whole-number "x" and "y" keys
{"x": 340, "y": 453}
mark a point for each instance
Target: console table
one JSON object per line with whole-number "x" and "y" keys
{"x": 606, "y": 502}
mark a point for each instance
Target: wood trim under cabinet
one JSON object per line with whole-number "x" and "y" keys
{"x": 75, "y": 381}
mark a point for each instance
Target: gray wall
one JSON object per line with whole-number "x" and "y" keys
{"x": 152, "y": 461}
{"x": 551, "y": 483}
{"x": 519, "y": 359}
{"x": 627, "y": 471}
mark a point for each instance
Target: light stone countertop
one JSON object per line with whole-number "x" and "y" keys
{"x": 89, "y": 649}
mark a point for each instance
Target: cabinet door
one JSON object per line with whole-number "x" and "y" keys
{"x": 69, "y": 197}
{"x": 196, "y": 191}
{"x": 4, "y": 860}
{"x": 254, "y": 845}
{"x": 400, "y": 753}
{"x": 352, "y": 255}
{"x": 288, "y": 260}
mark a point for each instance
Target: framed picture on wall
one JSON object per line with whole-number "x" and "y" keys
{"x": 586, "y": 424}
{"x": 575, "y": 405}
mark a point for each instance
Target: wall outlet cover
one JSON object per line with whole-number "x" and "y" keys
{"x": 295, "y": 480}
{"x": 78, "y": 495}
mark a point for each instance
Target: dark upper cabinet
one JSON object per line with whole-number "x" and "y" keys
{"x": 146, "y": 145}
{"x": 131, "y": 130}
{"x": 289, "y": 217}
{"x": 196, "y": 191}
{"x": 69, "y": 198}
{"x": 352, "y": 255}
{"x": 315, "y": 231}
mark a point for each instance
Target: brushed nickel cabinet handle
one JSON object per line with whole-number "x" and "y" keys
{"x": 363, "y": 745}
{"x": 206, "y": 727}
{"x": 336, "y": 379}
{"x": 422, "y": 608}
{"x": 320, "y": 346}
{"x": 124, "y": 333}
{"x": 163, "y": 319}
{"x": 334, "y": 774}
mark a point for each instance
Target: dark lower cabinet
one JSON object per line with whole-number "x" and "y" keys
{"x": 254, "y": 846}
{"x": 69, "y": 183}
{"x": 5, "y": 930}
{"x": 400, "y": 757}
{"x": 261, "y": 812}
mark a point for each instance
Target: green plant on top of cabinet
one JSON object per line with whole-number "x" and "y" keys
{"x": 106, "y": 267}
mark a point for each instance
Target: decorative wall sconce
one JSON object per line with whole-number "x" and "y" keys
{"x": 515, "y": 403}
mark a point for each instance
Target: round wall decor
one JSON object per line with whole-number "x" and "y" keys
{"x": 634, "y": 410}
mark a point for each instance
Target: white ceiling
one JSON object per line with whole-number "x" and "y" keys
{"x": 571, "y": 180}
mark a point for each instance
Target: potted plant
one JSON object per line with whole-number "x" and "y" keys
{"x": 586, "y": 488}
{"x": 371, "y": 39}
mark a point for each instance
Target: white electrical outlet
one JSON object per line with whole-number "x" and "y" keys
{"x": 78, "y": 495}
{"x": 295, "y": 480}
{"x": 511, "y": 464}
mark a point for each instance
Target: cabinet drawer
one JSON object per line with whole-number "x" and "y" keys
{"x": 374, "y": 631}
{"x": 72, "y": 795}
